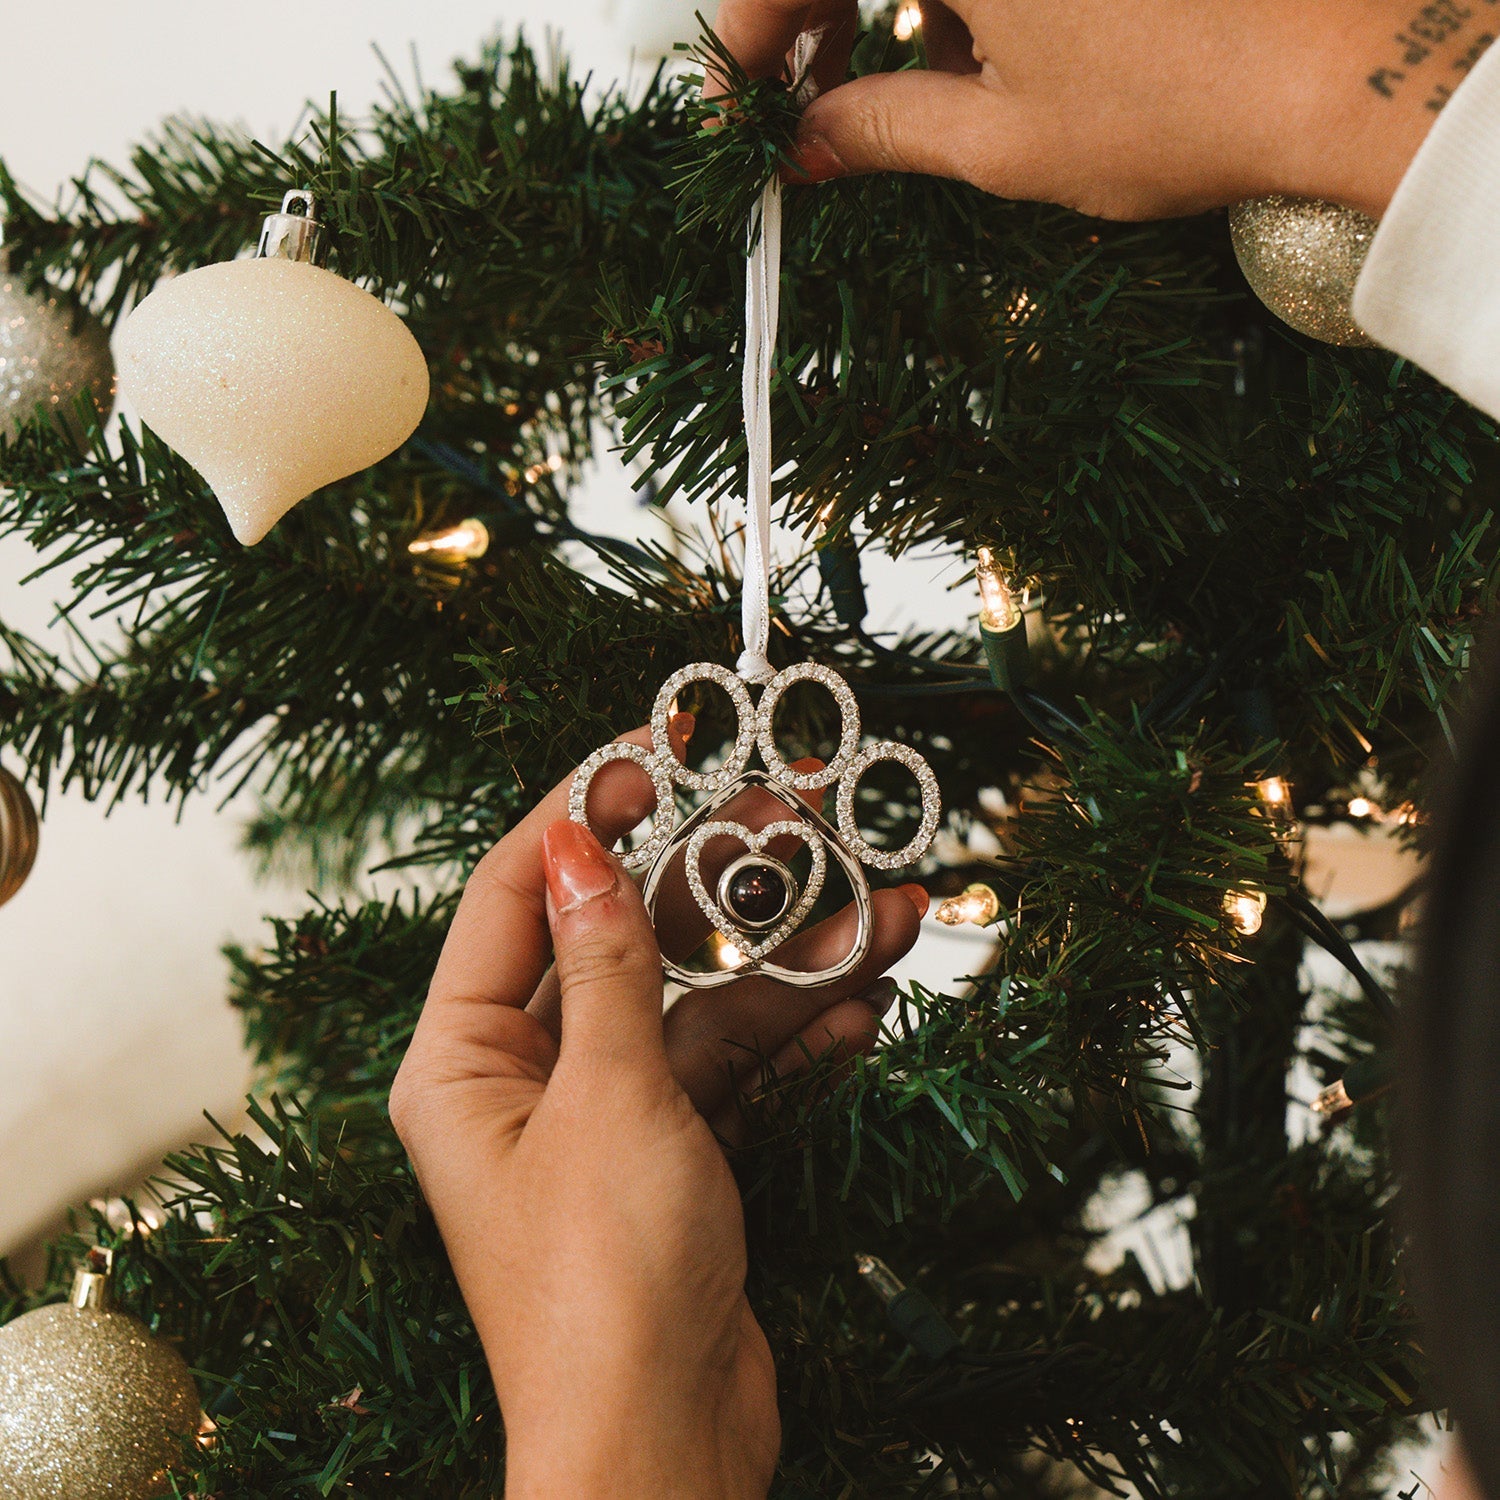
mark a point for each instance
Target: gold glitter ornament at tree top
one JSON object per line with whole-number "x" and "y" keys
{"x": 1302, "y": 257}
{"x": 50, "y": 354}
{"x": 18, "y": 835}
{"x": 93, "y": 1406}
{"x": 272, "y": 376}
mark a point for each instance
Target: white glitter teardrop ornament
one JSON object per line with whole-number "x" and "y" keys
{"x": 272, "y": 376}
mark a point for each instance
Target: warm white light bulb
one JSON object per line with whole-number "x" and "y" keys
{"x": 459, "y": 543}
{"x": 908, "y": 22}
{"x": 1361, "y": 807}
{"x": 1333, "y": 1100}
{"x": 879, "y": 1277}
{"x": 1246, "y": 910}
{"x": 977, "y": 904}
{"x": 999, "y": 607}
{"x": 549, "y": 465}
{"x": 1275, "y": 792}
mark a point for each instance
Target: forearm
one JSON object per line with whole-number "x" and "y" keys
{"x": 1390, "y": 69}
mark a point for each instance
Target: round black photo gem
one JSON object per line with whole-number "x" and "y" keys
{"x": 758, "y": 894}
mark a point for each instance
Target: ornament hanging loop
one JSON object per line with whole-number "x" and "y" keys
{"x": 294, "y": 233}
{"x": 762, "y": 315}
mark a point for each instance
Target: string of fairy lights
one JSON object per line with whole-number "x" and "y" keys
{"x": 1007, "y": 599}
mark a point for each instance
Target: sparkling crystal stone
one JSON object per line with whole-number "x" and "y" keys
{"x": 756, "y": 891}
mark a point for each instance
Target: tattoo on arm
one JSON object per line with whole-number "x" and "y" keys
{"x": 1431, "y": 33}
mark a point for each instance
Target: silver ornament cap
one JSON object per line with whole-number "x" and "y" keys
{"x": 292, "y": 234}
{"x": 1302, "y": 257}
{"x": 50, "y": 353}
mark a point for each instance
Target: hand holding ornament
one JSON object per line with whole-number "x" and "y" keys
{"x": 563, "y": 1132}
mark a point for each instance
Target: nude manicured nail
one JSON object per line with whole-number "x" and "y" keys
{"x": 578, "y": 869}
{"x": 918, "y": 897}
{"x": 813, "y": 159}
{"x": 879, "y": 995}
{"x": 808, "y": 764}
{"x": 683, "y": 725}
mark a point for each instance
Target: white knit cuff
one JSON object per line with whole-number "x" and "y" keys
{"x": 1430, "y": 289}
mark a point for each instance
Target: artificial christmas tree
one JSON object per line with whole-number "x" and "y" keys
{"x": 1230, "y": 575}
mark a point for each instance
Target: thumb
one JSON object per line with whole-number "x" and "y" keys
{"x": 608, "y": 962}
{"x": 941, "y": 124}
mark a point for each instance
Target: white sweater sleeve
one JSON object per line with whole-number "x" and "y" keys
{"x": 1430, "y": 289}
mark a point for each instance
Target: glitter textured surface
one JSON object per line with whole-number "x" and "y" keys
{"x": 46, "y": 359}
{"x": 1302, "y": 258}
{"x": 92, "y": 1406}
{"x": 739, "y": 755}
{"x": 765, "y": 726}
{"x": 931, "y": 799}
{"x": 755, "y": 729}
{"x": 272, "y": 378}
{"x": 756, "y": 843}
{"x": 659, "y": 769}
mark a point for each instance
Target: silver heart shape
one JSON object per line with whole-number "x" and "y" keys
{"x": 756, "y": 844}
{"x": 825, "y": 835}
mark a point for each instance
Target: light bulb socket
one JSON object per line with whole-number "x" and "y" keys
{"x": 914, "y": 1317}
{"x": 1369, "y": 1077}
{"x": 838, "y": 562}
{"x": 1255, "y": 709}
{"x": 292, "y": 234}
{"x": 1008, "y": 654}
{"x": 911, "y": 1312}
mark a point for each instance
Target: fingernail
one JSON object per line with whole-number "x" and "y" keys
{"x": 879, "y": 995}
{"x": 808, "y": 764}
{"x": 578, "y": 869}
{"x": 918, "y": 897}
{"x": 813, "y": 159}
{"x": 683, "y": 725}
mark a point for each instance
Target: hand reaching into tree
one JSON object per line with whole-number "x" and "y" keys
{"x": 560, "y": 1129}
{"x": 1133, "y": 109}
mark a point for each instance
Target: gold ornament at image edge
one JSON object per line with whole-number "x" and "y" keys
{"x": 18, "y": 835}
{"x": 93, "y": 1406}
{"x": 47, "y": 357}
{"x": 1302, "y": 259}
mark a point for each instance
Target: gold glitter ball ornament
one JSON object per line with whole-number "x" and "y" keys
{"x": 49, "y": 355}
{"x": 18, "y": 835}
{"x": 272, "y": 376}
{"x": 93, "y": 1406}
{"x": 1302, "y": 258}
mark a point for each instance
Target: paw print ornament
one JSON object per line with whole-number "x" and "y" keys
{"x": 757, "y": 903}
